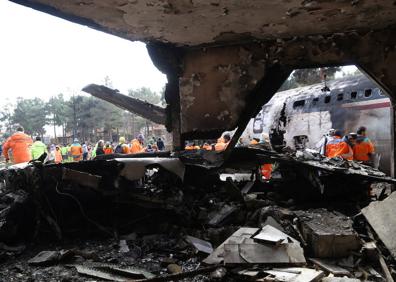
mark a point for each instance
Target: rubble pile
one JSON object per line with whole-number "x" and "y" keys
{"x": 183, "y": 218}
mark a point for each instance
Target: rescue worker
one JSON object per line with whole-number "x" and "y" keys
{"x": 254, "y": 141}
{"x": 192, "y": 146}
{"x": 85, "y": 151}
{"x": 337, "y": 147}
{"x": 122, "y": 147}
{"x": 160, "y": 144}
{"x": 350, "y": 139}
{"x": 38, "y": 148}
{"x": 154, "y": 148}
{"x": 189, "y": 146}
{"x": 20, "y": 144}
{"x": 93, "y": 154}
{"x": 51, "y": 155}
{"x": 108, "y": 149}
{"x": 363, "y": 150}
{"x": 99, "y": 148}
{"x": 137, "y": 145}
{"x": 222, "y": 143}
{"x": 69, "y": 156}
{"x": 206, "y": 146}
{"x": 58, "y": 155}
{"x": 323, "y": 142}
{"x": 64, "y": 152}
{"x": 76, "y": 151}
{"x": 266, "y": 169}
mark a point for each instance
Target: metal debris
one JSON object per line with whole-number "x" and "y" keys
{"x": 45, "y": 258}
{"x": 200, "y": 245}
{"x": 81, "y": 178}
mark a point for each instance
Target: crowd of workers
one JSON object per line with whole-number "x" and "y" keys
{"x": 23, "y": 149}
{"x": 354, "y": 146}
{"x": 220, "y": 145}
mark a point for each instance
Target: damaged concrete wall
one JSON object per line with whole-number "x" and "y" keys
{"x": 214, "y": 87}
{"x": 216, "y": 83}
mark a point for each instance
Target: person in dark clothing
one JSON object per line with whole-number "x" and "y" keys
{"x": 160, "y": 144}
{"x": 99, "y": 149}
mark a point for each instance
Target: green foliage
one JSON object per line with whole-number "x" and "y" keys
{"x": 304, "y": 77}
{"x": 56, "y": 107}
{"x": 145, "y": 94}
{"x": 31, "y": 114}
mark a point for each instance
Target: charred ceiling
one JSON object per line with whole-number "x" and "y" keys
{"x": 194, "y": 22}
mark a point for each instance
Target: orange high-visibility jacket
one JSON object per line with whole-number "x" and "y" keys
{"x": 207, "y": 147}
{"x": 362, "y": 149}
{"x": 338, "y": 148}
{"x": 108, "y": 150}
{"x": 136, "y": 147}
{"x": 19, "y": 143}
{"x": 266, "y": 171}
{"x": 76, "y": 152}
{"x": 191, "y": 147}
{"x": 253, "y": 142}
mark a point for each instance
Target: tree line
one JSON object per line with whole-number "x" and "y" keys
{"x": 83, "y": 117}
{"x": 304, "y": 77}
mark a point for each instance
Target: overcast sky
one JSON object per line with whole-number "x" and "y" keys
{"x": 41, "y": 56}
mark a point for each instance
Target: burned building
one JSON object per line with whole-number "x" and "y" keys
{"x": 235, "y": 55}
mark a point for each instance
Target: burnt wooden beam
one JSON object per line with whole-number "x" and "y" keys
{"x": 142, "y": 108}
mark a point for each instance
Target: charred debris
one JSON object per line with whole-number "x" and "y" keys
{"x": 193, "y": 216}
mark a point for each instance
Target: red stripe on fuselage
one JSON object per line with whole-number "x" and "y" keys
{"x": 370, "y": 106}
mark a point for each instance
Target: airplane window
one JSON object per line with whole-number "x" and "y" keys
{"x": 340, "y": 97}
{"x": 299, "y": 103}
{"x": 353, "y": 95}
{"x": 327, "y": 99}
{"x": 367, "y": 93}
{"x": 315, "y": 100}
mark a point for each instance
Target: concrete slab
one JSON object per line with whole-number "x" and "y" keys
{"x": 328, "y": 234}
{"x": 381, "y": 217}
{"x": 295, "y": 274}
{"x": 249, "y": 251}
{"x": 238, "y": 237}
{"x": 269, "y": 234}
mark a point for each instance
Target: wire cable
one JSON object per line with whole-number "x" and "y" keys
{"x": 100, "y": 227}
